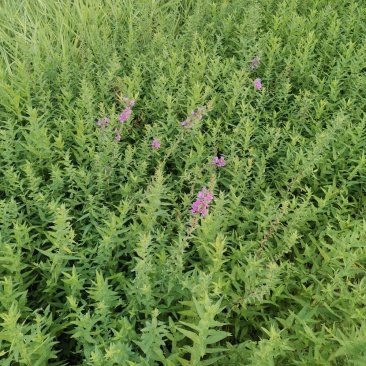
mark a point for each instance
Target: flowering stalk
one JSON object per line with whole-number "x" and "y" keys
{"x": 125, "y": 115}
{"x": 258, "y": 84}
{"x": 203, "y": 203}
{"x": 208, "y": 196}
{"x": 255, "y": 63}
{"x": 195, "y": 115}
{"x": 218, "y": 162}
{"x": 103, "y": 123}
{"x": 188, "y": 124}
{"x": 155, "y": 144}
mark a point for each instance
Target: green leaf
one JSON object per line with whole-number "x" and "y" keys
{"x": 192, "y": 336}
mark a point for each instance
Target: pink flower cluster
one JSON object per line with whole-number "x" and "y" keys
{"x": 257, "y": 84}
{"x": 218, "y": 162}
{"x": 202, "y": 204}
{"x": 125, "y": 115}
{"x": 189, "y": 122}
{"x": 118, "y": 137}
{"x": 103, "y": 123}
{"x": 255, "y": 63}
{"x": 155, "y": 144}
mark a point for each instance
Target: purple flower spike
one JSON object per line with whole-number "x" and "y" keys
{"x": 202, "y": 204}
{"x": 257, "y": 84}
{"x": 218, "y": 162}
{"x": 155, "y": 144}
{"x": 102, "y": 123}
{"x": 255, "y": 63}
{"x": 194, "y": 116}
{"x": 125, "y": 115}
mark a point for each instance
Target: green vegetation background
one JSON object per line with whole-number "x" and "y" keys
{"x": 101, "y": 260}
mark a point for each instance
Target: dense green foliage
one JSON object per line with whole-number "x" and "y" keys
{"x": 102, "y": 261}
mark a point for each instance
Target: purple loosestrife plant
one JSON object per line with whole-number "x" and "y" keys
{"x": 118, "y": 137}
{"x": 125, "y": 115}
{"x": 129, "y": 101}
{"x": 195, "y": 115}
{"x": 218, "y": 162}
{"x": 103, "y": 123}
{"x": 257, "y": 84}
{"x": 255, "y": 63}
{"x": 155, "y": 144}
{"x": 203, "y": 203}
